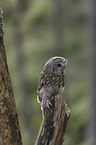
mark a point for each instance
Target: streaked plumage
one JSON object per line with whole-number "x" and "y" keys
{"x": 51, "y": 81}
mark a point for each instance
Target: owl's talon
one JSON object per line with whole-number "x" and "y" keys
{"x": 45, "y": 104}
{"x": 48, "y": 103}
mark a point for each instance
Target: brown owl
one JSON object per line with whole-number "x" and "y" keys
{"x": 51, "y": 81}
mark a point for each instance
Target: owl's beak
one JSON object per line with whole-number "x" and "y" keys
{"x": 65, "y": 62}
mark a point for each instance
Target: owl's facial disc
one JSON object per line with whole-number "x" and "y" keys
{"x": 60, "y": 66}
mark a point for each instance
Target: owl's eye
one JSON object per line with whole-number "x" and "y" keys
{"x": 59, "y": 65}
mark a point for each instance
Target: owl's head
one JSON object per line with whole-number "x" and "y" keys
{"x": 57, "y": 65}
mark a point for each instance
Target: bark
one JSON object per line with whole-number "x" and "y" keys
{"x": 54, "y": 123}
{"x": 9, "y": 125}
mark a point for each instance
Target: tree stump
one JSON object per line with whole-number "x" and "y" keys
{"x": 54, "y": 123}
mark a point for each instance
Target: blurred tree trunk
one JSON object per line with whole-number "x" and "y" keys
{"x": 9, "y": 125}
{"x": 19, "y": 11}
{"x": 91, "y": 23}
{"x": 56, "y": 18}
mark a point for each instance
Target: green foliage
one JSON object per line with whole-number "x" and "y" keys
{"x": 73, "y": 39}
{"x": 36, "y": 13}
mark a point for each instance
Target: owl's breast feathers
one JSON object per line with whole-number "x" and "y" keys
{"x": 56, "y": 82}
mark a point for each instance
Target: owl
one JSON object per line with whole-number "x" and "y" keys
{"x": 51, "y": 81}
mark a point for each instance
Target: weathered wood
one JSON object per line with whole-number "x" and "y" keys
{"x": 9, "y": 125}
{"x": 54, "y": 123}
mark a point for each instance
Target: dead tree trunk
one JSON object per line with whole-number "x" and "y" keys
{"x": 54, "y": 123}
{"x": 9, "y": 125}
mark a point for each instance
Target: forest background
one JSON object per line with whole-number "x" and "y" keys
{"x": 35, "y": 31}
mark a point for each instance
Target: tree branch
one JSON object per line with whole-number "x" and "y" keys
{"x": 54, "y": 123}
{"x": 9, "y": 125}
